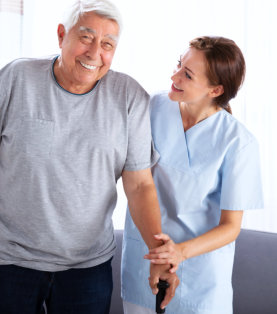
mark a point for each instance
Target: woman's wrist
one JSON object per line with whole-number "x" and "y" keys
{"x": 183, "y": 251}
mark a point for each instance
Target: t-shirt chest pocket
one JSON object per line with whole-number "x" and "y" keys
{"x": 34, "y": 137}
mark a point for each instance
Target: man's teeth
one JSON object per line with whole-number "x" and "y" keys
{"x": 87, "y": 66}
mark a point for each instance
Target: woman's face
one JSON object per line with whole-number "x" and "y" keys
{"x": 190, "y": 83}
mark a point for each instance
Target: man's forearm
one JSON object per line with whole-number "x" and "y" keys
{"x": 145, "y": 211}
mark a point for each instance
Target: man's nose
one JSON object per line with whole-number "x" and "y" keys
{"x": 94, "y": 50}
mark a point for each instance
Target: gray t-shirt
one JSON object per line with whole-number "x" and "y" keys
{"x": 61, "y": 155}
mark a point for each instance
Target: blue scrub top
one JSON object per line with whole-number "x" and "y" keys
{"x": 212, "y": 166}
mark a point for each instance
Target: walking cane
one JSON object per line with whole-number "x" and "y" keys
{"x": 162, "y": 286}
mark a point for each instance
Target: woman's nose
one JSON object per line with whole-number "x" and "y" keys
{"x": 175, "y": 74}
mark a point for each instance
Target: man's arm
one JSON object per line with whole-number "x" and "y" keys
{"x": 144, "y": 209}
{"x": 143, "y": 204}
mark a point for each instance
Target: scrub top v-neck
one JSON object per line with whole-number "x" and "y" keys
{"x": 212, "y": 166}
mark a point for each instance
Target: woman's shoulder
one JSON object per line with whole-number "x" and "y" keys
{"x": 160, "y": 102}
{"x": 159, "y": 97}
{"x": 235, "y": 133}
{"x": 235, "y": 126}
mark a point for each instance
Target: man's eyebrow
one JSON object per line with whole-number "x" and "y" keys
{"x": 92, "y": 31}
{"x": 112, "y": 37}
{"x": 87, "y": 29}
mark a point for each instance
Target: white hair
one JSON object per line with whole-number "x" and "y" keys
{"x": 103, "y": 8}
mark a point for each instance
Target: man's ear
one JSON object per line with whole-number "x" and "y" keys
{"x": 61, "y": 34}
{"x": 216, "y": 91}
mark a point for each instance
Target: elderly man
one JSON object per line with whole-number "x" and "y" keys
{"x": 70, "y": 127}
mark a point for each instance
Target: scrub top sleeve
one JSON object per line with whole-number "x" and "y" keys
{"x": 241, "y": 180}
{"x": 141, "y": 153}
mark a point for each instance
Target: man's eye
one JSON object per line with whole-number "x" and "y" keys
{"x": 108, "y": 46}
{"x": 86, "y": 39}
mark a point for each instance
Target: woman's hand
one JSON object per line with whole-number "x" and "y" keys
{"x": 168, "y": 253}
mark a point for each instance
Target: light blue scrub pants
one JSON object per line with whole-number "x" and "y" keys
{"x": 130, "y": 308}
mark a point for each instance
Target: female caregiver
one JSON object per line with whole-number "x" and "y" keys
{"x": 207, "y": 174}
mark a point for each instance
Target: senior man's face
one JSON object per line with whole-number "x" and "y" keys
{"x": 87, "y": 51}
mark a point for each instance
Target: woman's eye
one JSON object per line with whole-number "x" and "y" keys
{"x": 188, "y": 76}
{"x": 179, "y": 63}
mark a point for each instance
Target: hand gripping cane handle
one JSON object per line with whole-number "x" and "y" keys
{"x": 162, "y": 286}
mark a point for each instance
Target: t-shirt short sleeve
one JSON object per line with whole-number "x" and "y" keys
{"x": 241, "y": 179}
{"x": 4, "y": 79}
{"x": 141, "y": 153}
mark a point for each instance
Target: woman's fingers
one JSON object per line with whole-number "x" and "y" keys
{"x": 169, "y": 253}
{"x": 174, "y": 266}
{"x": 157, "y": 256}
{"x": 160, "y": 261}
{"x": 167, "y": 247}
{"x": 162, "y": 236}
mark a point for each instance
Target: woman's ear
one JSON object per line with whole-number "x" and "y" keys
{"x": 216, "y": 91}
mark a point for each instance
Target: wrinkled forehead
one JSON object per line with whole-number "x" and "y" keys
{"x": 90, "y": 17}
{"x": 84, "y": 29}
{"x": 95, "y": 24}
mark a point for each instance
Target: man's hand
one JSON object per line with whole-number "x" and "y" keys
{"x": 162, "y": 272}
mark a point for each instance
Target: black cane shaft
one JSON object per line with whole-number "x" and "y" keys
{"x": 162, "y": 286}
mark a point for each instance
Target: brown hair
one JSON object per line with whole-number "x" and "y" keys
{"x": 225, "y": 66}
